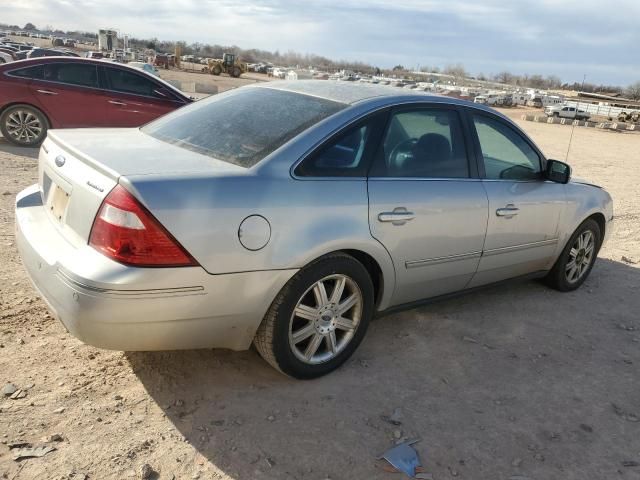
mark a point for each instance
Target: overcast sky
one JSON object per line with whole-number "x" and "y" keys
{"x": 567, "y": 38}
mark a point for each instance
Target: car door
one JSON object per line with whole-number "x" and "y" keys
{"x": 524, "y": 208}
{"x": 68, "y": 93}
{"x": 426, "y": 204}
{"x": 133, "y": 99}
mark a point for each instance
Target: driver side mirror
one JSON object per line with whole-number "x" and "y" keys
{"x": 557, "y": 171}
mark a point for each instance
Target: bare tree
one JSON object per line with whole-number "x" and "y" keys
{"x": 633, "y": 91}
{"x": 504, "y": 77}
{"x": 553, "y": 81}
{"x": 428, "y": 69}
{"x": 457, "y": 71}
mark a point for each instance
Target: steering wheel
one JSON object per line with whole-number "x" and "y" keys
{"x": 404, "y": 148}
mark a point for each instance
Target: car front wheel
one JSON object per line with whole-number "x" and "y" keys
{"x": 318, "y": 319}
{"x": 24, "y": 125}
{"x": 576, "y": 260}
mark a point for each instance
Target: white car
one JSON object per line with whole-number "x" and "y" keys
{"x": 147, "y": 67}
{"x": 564, "y": 111}
{"x": 5, "y": 58}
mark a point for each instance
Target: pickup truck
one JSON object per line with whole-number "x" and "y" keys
{"x": 566, "y": 112}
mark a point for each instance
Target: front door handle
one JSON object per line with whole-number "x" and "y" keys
{"x": 508, "y": 211}
{"x": 115, "y": 102}
{"x": 399, "y": 216}
{"x": 47, "y": 92}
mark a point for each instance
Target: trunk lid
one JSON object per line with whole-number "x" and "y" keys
{"x": 79, "y": 167}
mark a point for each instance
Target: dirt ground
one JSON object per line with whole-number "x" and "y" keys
{"x": 517, "y": 382}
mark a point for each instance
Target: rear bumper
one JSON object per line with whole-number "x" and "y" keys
{"x": 109, "y": 305}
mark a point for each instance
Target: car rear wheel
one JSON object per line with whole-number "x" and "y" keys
{"x": 577, "y": 259}
{"x": 318, "y": 319}
{"x": 24, "y": 125}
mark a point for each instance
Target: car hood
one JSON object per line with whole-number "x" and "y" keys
{"x": 582, "y": 181}
{"x": 128, "y": 151}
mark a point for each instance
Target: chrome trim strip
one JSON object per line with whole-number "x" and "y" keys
{"x": 427, "y": 179}
{"x": 158, "y": 292}
{"x": 485, "y": 253}
{"x": 439, "y": 260}
{"x": 515, "y": 248}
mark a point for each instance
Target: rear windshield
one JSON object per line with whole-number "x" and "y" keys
{"x": 244, "y": 126}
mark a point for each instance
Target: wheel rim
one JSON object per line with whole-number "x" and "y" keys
{"x": 23, "y": 126}
{"x": 580, "y": 256}
{"x": 325, "y": 319}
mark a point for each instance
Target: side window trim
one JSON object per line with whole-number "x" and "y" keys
{"x": 55, "y": 82}
{"x": 378, "y": 155}
{"x": 469, "y": 113}
{"x": 377, "y": 124}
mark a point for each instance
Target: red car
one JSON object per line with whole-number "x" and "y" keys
{"x": 64, "y": 92}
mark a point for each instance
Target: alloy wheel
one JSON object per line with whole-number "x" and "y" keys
{"x": 325, "y": 319}
{"x": 581, "y": 256}
{"x": 23, "y": 126}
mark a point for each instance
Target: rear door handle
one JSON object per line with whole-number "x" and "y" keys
{"x": 47, "y": 92}
{"x": 399, "y": 216}
{"x": 507, "y": 211}
{"x": 115, "y": 102}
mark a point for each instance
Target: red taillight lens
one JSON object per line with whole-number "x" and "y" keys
{"x": 126, "y": 232}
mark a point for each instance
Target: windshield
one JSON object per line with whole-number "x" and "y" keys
{"x": 244, "y": 126}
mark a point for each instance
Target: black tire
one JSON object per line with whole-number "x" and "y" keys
{"x": 5, "y": 125}
{"x": 557, "y": 277}
{"x": 272, "y": 338}
{"x": 236, "y": 72}
{"x": 556, "y": 114}
{"x": 216, "y": 70}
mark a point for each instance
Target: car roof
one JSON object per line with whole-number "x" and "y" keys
{"x": 355, "y": 92}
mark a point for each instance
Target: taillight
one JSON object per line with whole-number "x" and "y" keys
{"x": 126, "y": 232}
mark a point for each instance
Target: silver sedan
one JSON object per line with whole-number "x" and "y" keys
{"x": 289, "y": 214}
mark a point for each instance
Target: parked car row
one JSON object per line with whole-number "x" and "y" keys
{"x": 65, "y": 92}
{"x": 20, "y": 51}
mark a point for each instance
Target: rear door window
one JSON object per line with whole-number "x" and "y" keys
{"x": 123, "y": 81}
{"x": 82, "y": 74}
{"x": 423, "y": 143}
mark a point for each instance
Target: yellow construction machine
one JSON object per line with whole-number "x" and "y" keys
{"x": 228, "y": 64}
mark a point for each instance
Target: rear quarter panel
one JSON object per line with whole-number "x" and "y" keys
{"x": 308, "y": 219}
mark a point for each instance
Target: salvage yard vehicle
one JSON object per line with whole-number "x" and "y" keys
{"x": 67, "y": 92}
{"x": 5, "y": 57}
{"x": 564, "y": 111}
{"x": 50, "y": 52}
{"x": 228, "y": 64}
{"x": 164, "y": 60}
{"x": 293, "y": 226}
{"x": 631, "y": 116}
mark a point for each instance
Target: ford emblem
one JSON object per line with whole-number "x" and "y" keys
{"x": 60, "y": 160}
